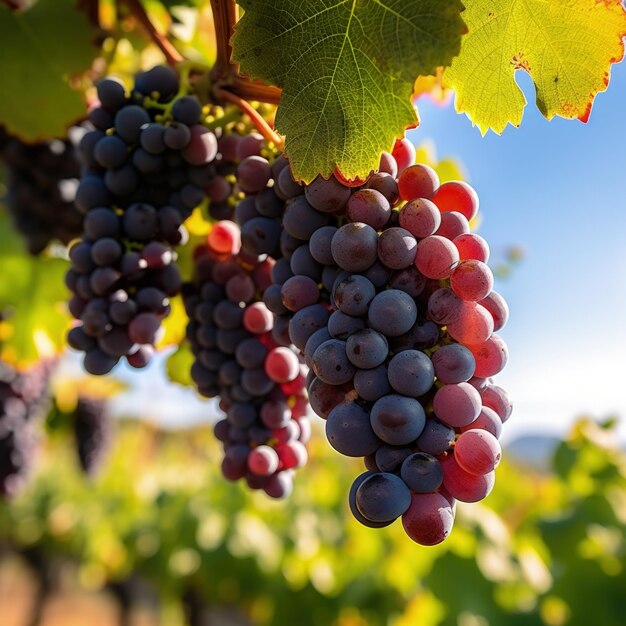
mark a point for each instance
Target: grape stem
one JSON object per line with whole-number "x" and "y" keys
{"x": 92, "y": 10}
{"x": 225, "y": 71}
{"x": 257, "y": 119}
{"x": 256, "y": 90}
{"x": 169, "y": 51}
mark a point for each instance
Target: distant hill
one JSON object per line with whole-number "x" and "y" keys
{"x": 533, "y": 450}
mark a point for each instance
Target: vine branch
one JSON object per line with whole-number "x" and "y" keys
{"x": 257, "y": 119}
{"x": 225, "y": 16}
{"x": 92, "y": 10}
{"x": 256, "y": 90}
{"x": 169, "y": 51}
{"x": 225, "y": 72}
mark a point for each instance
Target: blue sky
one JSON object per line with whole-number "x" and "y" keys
{"x": 558, "y": 189}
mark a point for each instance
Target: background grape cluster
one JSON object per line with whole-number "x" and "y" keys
{"x": 92, "y": 428}
{"x": 42, "y": 179}
{"x": 23, "y": 401}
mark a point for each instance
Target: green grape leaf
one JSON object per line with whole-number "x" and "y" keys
{"x": 33, "y": 292}
{"x": 347, "y": 71}
{"x": 178, "y": 365}
{"x": 42, "y": 49}
{"x": 566, "y": 47}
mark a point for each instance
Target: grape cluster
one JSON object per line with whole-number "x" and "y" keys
{"x": 235, "y": 144}
{"x": 148, "y": 163}
{"x": 42, "y": 179}
{"x": 388, "y": 295}
{"x": 23, "y": 400}
{"x": 260, "y": 213}
{"x": 260, "y": 384}
{"x": 92, "y": 427}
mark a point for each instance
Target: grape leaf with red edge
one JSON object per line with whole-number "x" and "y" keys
{"x": 567, "y": 48}
{"x": 40, "y": 50}
{"x": 347, "y": 70}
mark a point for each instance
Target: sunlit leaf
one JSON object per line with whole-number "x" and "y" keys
{"x": 347, "y": 71}
{"x": 41, "y": 50}
{"x": 566, "y": 47}
{"x": 33, "y": 294}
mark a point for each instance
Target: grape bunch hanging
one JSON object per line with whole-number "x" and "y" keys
{"x": 261, "y": 384}
{"x": 387, "y": 294}
{"x": 369, "y": 301}
{"x": 147, "y": 163}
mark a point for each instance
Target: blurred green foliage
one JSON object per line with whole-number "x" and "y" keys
{"x": 544, "y": 549}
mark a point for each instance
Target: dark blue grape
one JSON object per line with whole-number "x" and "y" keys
{"x": 341, "y": 326}
{"x": 301, "y": 220}
{"x": 314, "y": 341}
{"x": 353, "y": 294}
{"x": 128, "y": 122}
{"x": 409, "y": 280}
{"x": 423, "y": 335}
{"x": 453, "y": 363}
{"x": 319, "y": 245}
{"x": 302, "y": 262}
{"x": 398, "y": 420}
{"x": 390, "y": 458}
{"x": 392, "y": 312}
{"x": 161, "y": 80}
{"x": 422, "y": 473}
{"x": 305, "y": 322}
{"x": 367, "y": 349}
{"x": 123, "y": 180}
{"x": 101, "y": 222}
{"x": 331, "y": 364}
{"x": 92, "y": 193}
{"x": 260, "y": 235}
{"x": 177, "y": 136}
{"x": 355, "y": 247}
{"x": 147, "y": 163}
{"x": 352, "y": 503}
{"x": 187, "y": 109}
{"x": 106, "y": 251}
{"x": 152, "y": 138}
{"x": 111, "y": 94}
{"x": 111, "y": 151}
{"x": 382, "y": 497}
{"x": 411, "y": 373}
{"x": 372, "y": 384}
{"x": 349, "y": 431}
{"x": 98, "y": 363}
{"x": 436, "y": 438}
{"x": 327, "y": 195}
{"x": 273, "y": 300}
{"x": 324, "y": 398}
{"x": 251, "y": 353}
{"x": 141, "y": 222}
